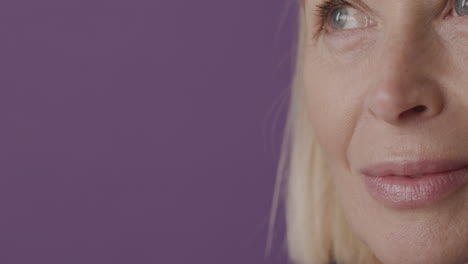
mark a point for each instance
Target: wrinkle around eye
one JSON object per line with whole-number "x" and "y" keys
{"x": 348, "y": 41}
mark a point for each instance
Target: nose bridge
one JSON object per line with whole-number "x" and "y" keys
{"x": 401, "y": 82}
{"x": 407, "y": 44}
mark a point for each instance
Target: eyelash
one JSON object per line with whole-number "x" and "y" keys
{"x": 325, "y": 9}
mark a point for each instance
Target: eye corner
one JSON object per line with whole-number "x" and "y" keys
{"x": 447, "y": 14}
{"x": 371, "y": 22}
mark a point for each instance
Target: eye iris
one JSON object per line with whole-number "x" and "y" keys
{"x": 461, "y": 7}
{"x": 339, "y": 18}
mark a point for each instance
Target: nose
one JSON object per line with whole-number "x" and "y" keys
{"x": 395, "y": 100}
{"x": 404, "y": 87}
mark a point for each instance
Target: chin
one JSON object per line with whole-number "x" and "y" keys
{"x": 410, "y": 248}
{"x": 416, "y": 256}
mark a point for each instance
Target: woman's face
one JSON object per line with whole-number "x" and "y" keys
{"x": 387, "y": 86}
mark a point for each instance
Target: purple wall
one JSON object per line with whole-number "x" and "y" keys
{"x": 141, "y": 131}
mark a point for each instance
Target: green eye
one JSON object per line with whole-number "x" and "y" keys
{"x": 461, "y": 7}
{"x": 347, "y": 18}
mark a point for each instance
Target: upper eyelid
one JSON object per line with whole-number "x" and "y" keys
{"x": 329, "y": 12}
{"x": 440, "y": 6}
{"x": 321, "y": 24}
{"x": 323, "y": 11}
{"x": 325, "y": 15}
{"x": 356, "y": 4}
{"x": 362, "y": 7}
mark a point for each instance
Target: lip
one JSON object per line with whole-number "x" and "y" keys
{"x": 390, "y": 182}
{"x": 411, "y": 168}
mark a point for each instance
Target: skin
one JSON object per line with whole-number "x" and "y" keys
{"x": 361, "y": 86}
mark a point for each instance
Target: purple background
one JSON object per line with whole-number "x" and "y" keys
{"x": 142, "y": 131}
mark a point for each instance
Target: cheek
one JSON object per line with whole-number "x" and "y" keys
{"x": 333, "y": 106}
{"x": 331, "y": 113}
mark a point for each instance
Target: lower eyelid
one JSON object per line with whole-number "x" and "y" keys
{"x": 348, "y": 42}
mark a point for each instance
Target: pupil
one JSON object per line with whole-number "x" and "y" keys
{"x": 339, "y": 18}
{"x": 461, "y": 7}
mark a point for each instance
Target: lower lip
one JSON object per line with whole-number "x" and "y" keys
{"x": 405, "y": 192}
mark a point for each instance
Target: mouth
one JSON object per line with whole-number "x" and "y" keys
{"x": 413, "y": 168}
{"x": 413, "y": 184}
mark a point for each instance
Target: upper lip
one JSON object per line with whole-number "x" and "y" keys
{"x": 412, "y": 168}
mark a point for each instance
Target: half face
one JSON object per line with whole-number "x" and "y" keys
{"x": 387, "y": 93}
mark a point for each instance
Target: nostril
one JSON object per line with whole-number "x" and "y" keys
{"x": 419, "y": 108}
{"x": 413, "y": 111}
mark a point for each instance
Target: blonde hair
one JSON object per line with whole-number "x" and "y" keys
{"x": 316, "y": 229}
